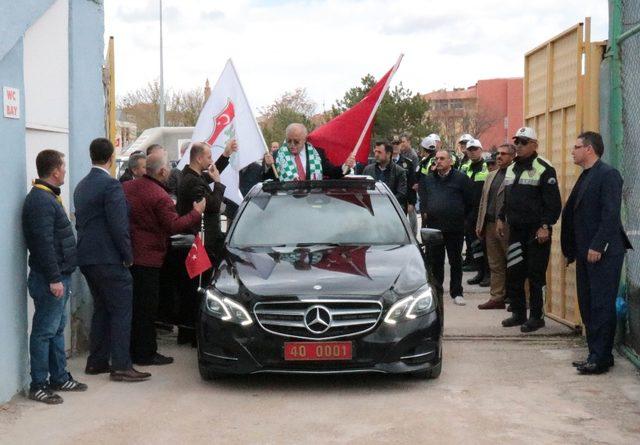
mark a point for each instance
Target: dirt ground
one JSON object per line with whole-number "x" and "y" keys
{"x": 497, "y": 386}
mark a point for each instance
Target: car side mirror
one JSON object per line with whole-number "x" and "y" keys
{"x": 431, "y": 237}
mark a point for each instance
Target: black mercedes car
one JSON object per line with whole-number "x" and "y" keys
{"x": 321, "y": 277}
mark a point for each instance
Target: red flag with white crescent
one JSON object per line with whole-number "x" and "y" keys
{"x": 222, "y": 121}
{"x": 197, "y": 260}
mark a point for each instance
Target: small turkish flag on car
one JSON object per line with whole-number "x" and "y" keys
{"x": 197, "y": 260}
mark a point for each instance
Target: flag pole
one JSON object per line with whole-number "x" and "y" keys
{"x": 375, "y": 108}
{"x": 202, "y": 238}
{"x": 255, "y": 121}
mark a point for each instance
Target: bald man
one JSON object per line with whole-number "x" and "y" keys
{"x": 298, "y": 160}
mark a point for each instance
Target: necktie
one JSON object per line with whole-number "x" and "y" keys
{"x": 301, "y": 174}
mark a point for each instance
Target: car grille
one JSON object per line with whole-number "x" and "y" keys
{"x": 347, "y": 317}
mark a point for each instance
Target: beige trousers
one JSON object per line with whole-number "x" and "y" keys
{"x": 497, "y": 257}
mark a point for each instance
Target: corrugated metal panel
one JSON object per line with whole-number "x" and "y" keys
{"x": 555, "y": 91}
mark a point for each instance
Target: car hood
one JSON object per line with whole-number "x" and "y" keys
{"x": 322, "y": 270}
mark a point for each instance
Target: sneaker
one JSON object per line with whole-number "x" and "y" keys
{"x": 69, "y": 385}
{"x": 459, "y": 300}
{"x": 45, "y": 395}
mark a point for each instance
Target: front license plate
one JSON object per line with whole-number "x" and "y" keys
{"x": 333, "y": 350}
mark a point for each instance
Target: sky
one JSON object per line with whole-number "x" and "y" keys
{"x": 327, "y": 46}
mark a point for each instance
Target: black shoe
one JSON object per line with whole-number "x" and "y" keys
{"x": 579, "y": 363}
{"x": 156, "y": 360}
{"x": 592, "y": 368}
{"x": 95, "y": 370}
{"x": 509, "y": 308}
{"x": 532, "y": 324}
{"x": 130, "y": 375}
{"x": 70, "y": 385}
{"x": 469, "y": 268}
{"x": 486, "y": 282}
{"x": 475, "y": 280}
{"x": 513, "y": 321}
{"x": 45, "y": 395}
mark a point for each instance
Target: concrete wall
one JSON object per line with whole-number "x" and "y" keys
{"x": 13, "y": 289}
{"x": 85, "y": 122}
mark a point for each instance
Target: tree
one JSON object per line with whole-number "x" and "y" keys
{"x": 292, "y": 106}
{"x": 142, "y": 106}
{"x": 474, "y": 121}
{"x": 400, "y": 111}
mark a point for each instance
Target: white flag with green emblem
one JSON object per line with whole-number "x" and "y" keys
{"x": 227, "y": 115}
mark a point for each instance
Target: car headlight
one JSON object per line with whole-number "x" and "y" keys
{"x": 420, "y": 303}
{"x": 226, "y": 309}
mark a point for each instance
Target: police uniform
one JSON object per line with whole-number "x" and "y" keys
{"x": 477, "y": 172}
{"x": 532, "y": 201}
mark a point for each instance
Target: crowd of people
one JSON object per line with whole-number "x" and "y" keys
{"x": 502, "y": 204}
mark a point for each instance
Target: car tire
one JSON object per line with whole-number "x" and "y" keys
{"x": 431, "y": 373}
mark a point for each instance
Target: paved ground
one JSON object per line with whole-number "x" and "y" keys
{"x": 496, "y": 387}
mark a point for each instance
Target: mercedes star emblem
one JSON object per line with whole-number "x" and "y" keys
{"x": 317, "y": 319}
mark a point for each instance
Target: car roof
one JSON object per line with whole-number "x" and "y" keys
{"x": 348, "y": 184}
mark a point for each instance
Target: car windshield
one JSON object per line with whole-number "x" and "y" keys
{"x": 344, "y": 218}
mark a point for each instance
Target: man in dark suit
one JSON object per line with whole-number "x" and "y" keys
{"x": 104, "y": 256}
{"x": 593, "y": 237}
{"x": 387, "y": 171}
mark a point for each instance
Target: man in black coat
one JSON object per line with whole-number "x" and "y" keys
{"x": 387, "y": 171}
{"x": 52, "y": 259}
{"x": 593, "y": 237}
{"x": 446, "y": 200}
{"x": 104, "y": 256}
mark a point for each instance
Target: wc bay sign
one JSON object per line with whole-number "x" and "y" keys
{"x": 11, "y": 102}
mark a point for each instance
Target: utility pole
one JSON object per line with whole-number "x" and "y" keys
{"x": 161, "y": 73}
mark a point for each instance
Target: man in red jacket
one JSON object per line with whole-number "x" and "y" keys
{"x": 153, "y": 218}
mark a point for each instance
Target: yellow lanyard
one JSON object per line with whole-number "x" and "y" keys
{"x": 47, "y": 189}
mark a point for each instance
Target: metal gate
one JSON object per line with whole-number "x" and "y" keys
{"x": 561, "y": 100}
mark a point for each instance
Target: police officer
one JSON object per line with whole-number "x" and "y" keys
{"x": 461, "y": 152}
{"x": 412, "y": 196}
{"x": 476, "y": 169}
{"x": 532, "y": 206}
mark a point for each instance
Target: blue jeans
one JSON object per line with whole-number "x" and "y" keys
{"x": 46, "y": 343}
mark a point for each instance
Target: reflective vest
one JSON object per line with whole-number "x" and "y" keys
{"x": 425, "y": 167}
{"x": 479, "y": 176}
{"x": 528, "y": 177}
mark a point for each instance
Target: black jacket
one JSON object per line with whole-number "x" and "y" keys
{"x": 396, "y": 180}
{"x": 447, "y": 201}
{"x": 532, "y": 196}
{"x": 48, "y": 232}
{"x": 410, "y": 170}
{"x": 591, "y": 217}
{"x": 329, "y": 170}
{"x": 193, "y": 187}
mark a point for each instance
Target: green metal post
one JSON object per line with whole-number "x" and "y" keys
{"x": 615, "y": 114}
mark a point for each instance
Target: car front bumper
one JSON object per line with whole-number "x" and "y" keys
{"x": 407, "y": 347}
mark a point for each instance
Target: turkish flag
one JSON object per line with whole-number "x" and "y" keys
{"x": 197, "y": 260}
{"x": 339, "y": 136}
{"x": 222, "y": 121}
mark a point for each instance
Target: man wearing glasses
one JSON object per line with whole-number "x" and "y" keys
{"x": 490, "y": 206}
{"x": 593, "y": 237}
{"x": 532, "y": 205}
{"x": 297, "y": 160}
